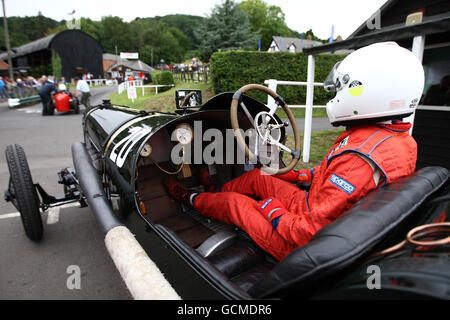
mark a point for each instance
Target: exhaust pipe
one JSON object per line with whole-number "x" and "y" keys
{"x": 141, "y": 275}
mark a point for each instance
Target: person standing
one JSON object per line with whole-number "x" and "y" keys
{"x": 85, "y": 91}
{"x": 45, "y": 91}
{"x": 3, "y": 92}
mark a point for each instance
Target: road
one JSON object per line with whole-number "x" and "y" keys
{"x": 71, "y": 236}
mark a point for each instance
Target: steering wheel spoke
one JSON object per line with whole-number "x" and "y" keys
{"x": 265, "y": 125}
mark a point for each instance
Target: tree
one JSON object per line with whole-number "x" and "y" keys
{"x": 265, "y": 21}
{"x": 114, "y": 32}
{"x": 226, "y": 28}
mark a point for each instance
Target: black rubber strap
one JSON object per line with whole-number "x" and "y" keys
{"x": 296, "y": 154}
{"x": 237, "y": 95}
{"x": 280, "y": 101}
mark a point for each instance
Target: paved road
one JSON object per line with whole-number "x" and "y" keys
{"x": 71, "y": 236}
{"x": 318, "y": 124}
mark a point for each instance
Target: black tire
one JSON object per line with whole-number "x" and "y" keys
{"x": 25, "y": 196}
{"x": 76, "y": 106}
{"x": 50, "y": 108}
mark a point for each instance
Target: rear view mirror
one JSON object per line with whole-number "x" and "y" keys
{"x": 188, "y": 98}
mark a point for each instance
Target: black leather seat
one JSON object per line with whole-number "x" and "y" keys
{"x": 352, "y": 236}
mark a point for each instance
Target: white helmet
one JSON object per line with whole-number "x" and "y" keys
{"x": 62, "y": 87}
{"x": 380, "y": 82}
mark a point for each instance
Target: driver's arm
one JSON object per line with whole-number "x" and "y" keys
{"x": 305, "y": 175}
{"x": 347, "y": 179}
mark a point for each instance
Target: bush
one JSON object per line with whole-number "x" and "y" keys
{"x": 162, "y": 78}
{"x": 231, "y": 70}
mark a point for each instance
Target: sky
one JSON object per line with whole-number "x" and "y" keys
{"x": 301, "y": 15}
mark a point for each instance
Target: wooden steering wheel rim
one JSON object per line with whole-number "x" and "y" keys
{"x": 240, "y": 138}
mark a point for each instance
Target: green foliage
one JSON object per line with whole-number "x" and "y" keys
{"x": 266, "y": 21}
{"x": 56, "y": 64}
{"x": 25, "y": 29}
{"x": 233, "y": 69}
{"x": 226, "y": 28}
{"x": 162, "y": 77}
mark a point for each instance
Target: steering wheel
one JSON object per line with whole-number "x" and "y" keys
{"x": 187, "y": 98}
{"x": 264, "y": 123}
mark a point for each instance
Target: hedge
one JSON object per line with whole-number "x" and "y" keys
{"x": 162, "y": 77}
{"x": 231, "y": 70}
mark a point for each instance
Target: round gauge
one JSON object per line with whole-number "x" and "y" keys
{"x": 146, "y": 150}
{"x": 184, "y": 133}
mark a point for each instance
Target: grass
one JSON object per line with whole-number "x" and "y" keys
{"x": 300, "y": 113}
{"x": 321, "y": 142}
{"x": 164, "y": 101}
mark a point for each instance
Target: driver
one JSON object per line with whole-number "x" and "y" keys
{"x": 376, "y": 87}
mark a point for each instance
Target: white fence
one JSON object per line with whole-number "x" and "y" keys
{"x": 101, "y": 82}
{"x": 126, "y": 84}
{"x": 139, "y": 84}
{"x": 309, "y": 103}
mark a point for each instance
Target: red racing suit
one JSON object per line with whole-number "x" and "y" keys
{"x": 361, "y": 159}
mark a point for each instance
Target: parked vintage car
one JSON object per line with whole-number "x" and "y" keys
{"x": 126, "y": 154}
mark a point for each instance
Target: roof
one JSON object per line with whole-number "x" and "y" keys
{"x": 113, "y": 61}
{"x": 37, "y": 45}
{"x": 436, "y": 21}
{"x": 283, "y": 43}
{"x": 3, "y": 65}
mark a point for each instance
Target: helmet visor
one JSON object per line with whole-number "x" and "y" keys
{"x": 333, "y": 81}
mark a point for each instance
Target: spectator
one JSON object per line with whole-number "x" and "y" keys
{"x": 45, "y": 91}
{"x": 3, "y": 91}
{"x": 84, "y": 90}
{"x": 439, "y": 94}
{"x": 21, "y": 85}
{"x": 10, "y": 85}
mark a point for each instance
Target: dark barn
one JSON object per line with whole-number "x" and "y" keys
{"x": 78, "y": 53}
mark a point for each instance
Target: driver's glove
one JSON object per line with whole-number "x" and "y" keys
{"x": 297, "y": 175}
{"x": 272, "y": 210}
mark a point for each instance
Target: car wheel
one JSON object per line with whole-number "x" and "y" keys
{"x": 76, "y": 106}
{"x": 23, "y": 192}
{"x": 50, "y": 108}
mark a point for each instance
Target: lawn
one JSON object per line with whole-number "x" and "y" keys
{"x": 300, "y": 113}
{"x": 321, "y": 142}
{"x": 164, "y": 101}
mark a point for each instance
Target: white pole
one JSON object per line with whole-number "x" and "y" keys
{"x": 271, "y": 101}
{"x": 308, "y": 109}
{"x": 418, "y": 48}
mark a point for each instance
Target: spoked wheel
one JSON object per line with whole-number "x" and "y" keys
{"x": 76, "y": 106}
{"x": 265, "y": 124}
{"x": 50, "y": 108}
{"x": 22, "y": 192}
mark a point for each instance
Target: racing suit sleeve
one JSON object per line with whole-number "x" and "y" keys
{"x": 305, "y": 175}
{"x": 346, "y": 180}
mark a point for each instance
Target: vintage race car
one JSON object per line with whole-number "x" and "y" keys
{"x": 392, "y": 244}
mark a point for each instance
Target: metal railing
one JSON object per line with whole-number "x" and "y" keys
{"x": 101, "y": 82}
{"x": 309, "y": 103}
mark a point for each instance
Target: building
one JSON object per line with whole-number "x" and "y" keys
{"x": 118, "y": 68}
{"x": 75, "y": 51}
{"x": 422, "y": 26}
{"x": 283, "y": 44}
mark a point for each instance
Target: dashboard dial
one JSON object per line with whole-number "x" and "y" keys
{"x": 184, "y": 133}
{"x": 146, "y": 150}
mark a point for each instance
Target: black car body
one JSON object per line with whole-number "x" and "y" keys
{"x": 207, "y": 259}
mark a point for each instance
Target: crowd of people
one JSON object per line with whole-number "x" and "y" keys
{"x": 23, "y": 86}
